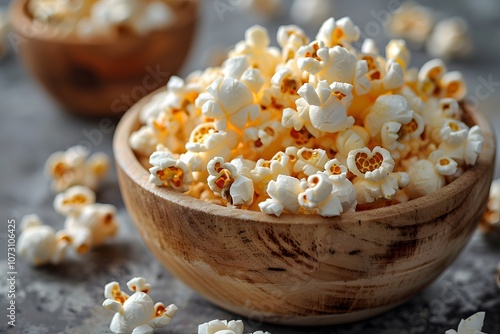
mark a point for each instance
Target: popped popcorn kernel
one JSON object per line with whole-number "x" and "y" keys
{"x": 224, "y": 327}
{"x": 491, "y": 217}
{"x": 314, "y": 126}
{"x": 472, "y": 324}
{"x": 136, "y": 313}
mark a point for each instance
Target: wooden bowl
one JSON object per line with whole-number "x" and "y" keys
{"x": 305, "y": 270}
{"x": 99, "y": 76}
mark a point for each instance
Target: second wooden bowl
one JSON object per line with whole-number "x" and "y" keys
{"x": 99, "y": 76}
{"x": 304, "y": 270}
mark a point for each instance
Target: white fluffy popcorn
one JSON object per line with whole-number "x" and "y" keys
{"x": 310, "y": 12}
{"x": 471, "y": 325}
{"x": 338, "y": 32}
{"x": 136, "y": 313}
{"x": 170, "y": 172}
{"x": 224, "y": 327}
{"x": 75, "y": 167}
{"x": 412, "y": 22}
{"x": 39, "y": 243}
{"x": 74, "y": 200}
{"x": 283, "y": 194}
{"x": 318, "y": 196}
{"x": 387, "y": 109}
{"x": 343, "y": 189}
{"x": 291, "y": 38}
{"x": 461, "y": 143}
{"x": 397, "y": 51}
{"x": 450, "y": 39}
{"x": 491, "y": 217}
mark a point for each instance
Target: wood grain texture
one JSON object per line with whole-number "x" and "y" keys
{"x": 304, "y": 270}
{"x": 98, "y": 76}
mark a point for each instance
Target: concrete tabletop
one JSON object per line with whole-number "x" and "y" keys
{"x": 68, "y": 298}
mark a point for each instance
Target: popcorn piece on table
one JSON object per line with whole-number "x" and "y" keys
{"x": 75, "y": 167}
{"x": 136, "y": 314}
{"x": 224, "y": 327}
{"x": 72, "y": 201}
{"x": 412, "y": 22}
{"x": 39, "y": 243}
{"x": 491, "y": 217}
{"x": 450, "y": 39}
{"x": 472, "y": 325}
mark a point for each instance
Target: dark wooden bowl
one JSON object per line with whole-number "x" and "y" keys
{"x": 99, "y": 76}
{"x": 305, "y": 269}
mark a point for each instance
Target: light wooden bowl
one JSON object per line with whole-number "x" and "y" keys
{"x": 304, "y": 270}
{"x": 99, "y": 76}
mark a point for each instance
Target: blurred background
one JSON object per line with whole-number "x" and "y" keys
{"x": 34, "y": 124}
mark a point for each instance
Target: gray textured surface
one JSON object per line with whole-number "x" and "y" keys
{"x": 67, "y": 299}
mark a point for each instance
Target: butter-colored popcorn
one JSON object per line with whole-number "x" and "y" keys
{"x": 351, "y": 139}
{"x": 72, "y": 201}
{"x": 263, "y": 140}
{"x": 471, "y": 325}
{"x": 226, "y": 182}
{"x": 450, "y": 39}
{"x": 318, "y": 196}
{"x": 453, "y": 85}
{"x": 321, "y": 109}
{"x": 257, "y": 50}
{"x": 335, "y": 64}
{"x": 92, "y": 227}
{"x": 343, "y": 189}
{"x": 338, "y": 32}
{"x": 136, "y": 314}
{"x": 387, "y": 109}
{"x": 375, "y": 178}
{"x": 228, "y": 101}
{"x": 284, "y": 87}
{"x": 412, "y": 22}
{"x": 290, "y": 38}
{"x": 168, "y": 171}
{"x": 397, "y": 51}
{"x": 74, "y": 167}
{"x": 266, "y": 170}
{"x": 310, "y": 161}
{"x": 39, "y": 243}
{"x": 283, "y": 195}
{"x": 461, "y": 143}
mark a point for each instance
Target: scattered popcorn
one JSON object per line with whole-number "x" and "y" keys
{"x": 412, "y": 22}
{"x": 314, "y": 127}
{"x": 491, "y": 217}
{"x": 224, "y": 327}
{"x": 450, "y": 39}
{"x": 39, "y": 243}
{"x": 471, "y": 325}
{"x": 75, "y": 167}
{"x": 102, "y": 17}
{"x": 136, "y": 313}
{"x": 72, "y": 201}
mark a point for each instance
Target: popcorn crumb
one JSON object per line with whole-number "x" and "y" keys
{"x": 136, "y": 313}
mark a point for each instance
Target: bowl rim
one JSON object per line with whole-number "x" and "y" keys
{"x": 21, "y": 21}
{"x": 127, "y": 161}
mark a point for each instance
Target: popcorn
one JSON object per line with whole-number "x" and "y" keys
{"x": 318, "y": 196}
{"x": 136, "y": 313}
{"x": 315, "y": 127}
{"x": 412, "y": 22}
{"x": 374, "y": 174}
{"x": 224, "y": 327}
{"x": 72, "y": 167}
{"x": 450, "y": 39}
{"x": 39, "y": 243}
{"x": 472, "y": 325}
{"x": 73, "y": 200}
{"x": 310, "y": 12}
{"x": 225, "y": 181}
{"x": 170, "y": 172}
{"x": 283, "y": 195}
{"x": 338, "y": 32}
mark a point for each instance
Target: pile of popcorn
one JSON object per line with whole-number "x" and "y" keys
{"x": 86, "y": 18}
{"x": 87, "y": 224}
{"x": 311, "y": 127}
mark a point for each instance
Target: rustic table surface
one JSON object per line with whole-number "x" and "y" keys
{"x": 67, "y": 298}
